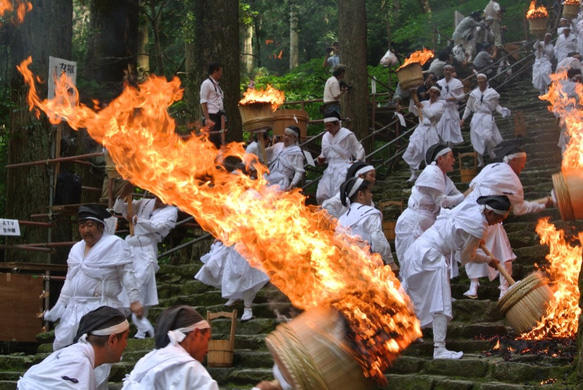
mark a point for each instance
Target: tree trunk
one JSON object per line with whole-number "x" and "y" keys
{"x": 46, "y": 31}
{"x": 293, "y": 35}
{"x": 352, "y": 40}
{"x": 217, "y": 39}
{"x": 425, "y": 5}
{"x": 248, "y": 57}
{"x": 155, "y": 19}
{"x": 143, "y": 60}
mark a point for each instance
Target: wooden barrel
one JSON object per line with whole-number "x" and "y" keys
{"x": 570, "y": 11}
{"x": 468, "y": 172}
{"x": 525, "y": 303}
{"x": 410, "y": 76}
{"x": 220, "y": 353}
{"x": 256, "y": 116}
{"x": 312, "y": 353}
{"x": 568, "y": 195}
{"x": 537, "y": 26}
{"x": 285, "y": 118}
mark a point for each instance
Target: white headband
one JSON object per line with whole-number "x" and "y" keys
{"x": 499, "y": 212}
{"x": 289, "y": 131}
{"x": 93, "y": 219}
{"x": 331, "y": 119}
{"x": 115, "y": 329}
{"x": 442, "y": 152}
{"x": 364, "y": 170}
{"x": 482, "y": 75}
{"x": 514, "y": 155}
{"x": 355, "y": 187}
{"x": 178, "y": 335}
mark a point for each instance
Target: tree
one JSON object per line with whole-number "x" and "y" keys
{"x": 46, "y": 31}
{"x": 352, "y": 40}
{"x": 293, "y": 35}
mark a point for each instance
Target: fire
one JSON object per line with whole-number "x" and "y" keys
{"x": 294, "y": 244}
{"x": 561, "y": 317}
{"x": 571, "y": 2}
{"x": 21, "y": 9}
{"x": 5, "y": 6}
{"x": 267, "y": 95}
{"x": 421, "y": 57}
{"x": 497, "y": 346}
{"x": 535, "y": 12}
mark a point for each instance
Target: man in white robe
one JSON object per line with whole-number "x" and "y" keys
{"x": 425, "y": 134}
{"x": 432, "y": 191}
{"x": 501, "y": 178}
{"x": 339, "y": 146}
{"x": 465, "y": 34}
{"x": 101, "y": 339}
{"x": 484, "y": 133}
{"x": 99, "y": 267}
{"x": 542, "y": 67}
{"x": 428, "y": 262}
{"x": 494, "y": 11}
{"x": 286, "y": 161}
{"x": 566, "y": 43}
{"x": 452, "y": 91}
{"x": 334, "y": 205}
{"x": 152, "y": 221}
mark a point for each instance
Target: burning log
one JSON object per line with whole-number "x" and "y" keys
{"x": 410, "y": 73}
{"x": 537, "y": 19}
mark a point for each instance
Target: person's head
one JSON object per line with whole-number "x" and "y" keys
{"x": 512, "y": 154}
{"x": 159, "y": 203}
{"x": 362, "y": 170}
{"x": 339, "y": 72}
{"x": 291, "y": 135}
{"x": 442, "y": 156}
{"x": 482, "y": 81}
{"x": 564, "y": 22}
{"x": 448, "y": 70}
{"x": 434, "y": 93}
{"x": 443, "y": 54}
{"x": 185, "y": 326}
{"x": 106, "y": 329}
{"x": 356, "y": 190}
{"x": 430, "y": 79}
{"x": 91, "y": 220}
{"x": 495, "y": 208}
{"x": 476, "y": 16}
{"x": 332, "y": 122}
{"x": 489, "y": 20}
{"x": 566, "y": 31}
{"x": 215, "y": 70}
{"x": 548, "y": 37}
{"x": 488, "y": 48}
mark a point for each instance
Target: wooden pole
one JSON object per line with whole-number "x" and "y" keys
{"x": 499, "y": 266}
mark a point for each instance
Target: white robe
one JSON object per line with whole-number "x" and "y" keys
{"x": 448, "y": 127}
{"x": 337, "y": 150}
{"x": 432, "y": 191}
{"x": 564, "y": 46}
{"x": 542, "y": 67}
{"x": 425, "y": 134}
{"x": 286, "y": 165}
{"x": 169, "y": 368}
{"x": 226, "y": 269}
{"x": 93, "y": 281}
{"x": 151, "y": 228}
{"x": 74, "y": 362}
{"x": 484, "y": 133}
{"x": 428, "y": 261}
{"x": 366, "y": 224}
{"x": 499, "y": 179}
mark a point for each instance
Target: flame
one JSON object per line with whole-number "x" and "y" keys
{"x": 572, "y": 2}
{"x": 421, "y": 57}
{"x": 21, "y": 9}
{"x": 535, "y": 12}
{"x": 561, "y": 317}
{"x": 497, "y": 346}
{"x": 267, "y": 95}
{"x": 5, "y": 6}
{"x": 294, "y": 244}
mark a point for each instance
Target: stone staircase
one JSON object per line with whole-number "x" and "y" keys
{"x": 477, "y": 325}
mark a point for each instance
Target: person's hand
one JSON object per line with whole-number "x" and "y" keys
{"x": 451, "y": 99}
{"x": 265, "y": 385}
{"x": 209, "y": 124}
{"x": 461, "y": 123}
{"x": 320, "y": 160}
{"x": 137, "y": 309}
{"x": 494, "y": 263}
{"x": 126, "y": 190}
{"x": 549, "y": 202}
{"x": 130, "y": 217}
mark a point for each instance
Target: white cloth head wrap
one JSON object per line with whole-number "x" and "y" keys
{"x": 513, "y": 156}
{"x": 364, "y": 170}
{"x": 499, "y": 212}
{"x": 482, "y": 76}
{"x": 115, "y": 329}
{"x": 355, "y": 187}
{"x": 331, "y": 119}
{"x": 442, "y": 152}
{"x": 178, "y": 335}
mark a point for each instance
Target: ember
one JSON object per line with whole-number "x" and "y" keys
{"x": 274, "y": 231}
{"x": 420, "y": 57}
{"x": 511, "y": 349}
{"x": 268, "y": 95}
{"x": 535, "y": 12}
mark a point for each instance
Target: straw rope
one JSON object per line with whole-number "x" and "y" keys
{"x": 519, "y": 291}
{"x": 563, "y": 197}
{"x": 303, "y": 370}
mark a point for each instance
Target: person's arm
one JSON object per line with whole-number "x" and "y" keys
{"x": 356, "y": 147}
{"x": 467, "y": 110}
{"x": 379, "y": 243}
{"x": 528, "y": 207}
{"x": 336, "y": 91}
{"x": 204, "y": 97}
{"x": 456, "y": 94}
{"x": 444, "y": 200}
{"x": 161, "y": 222}
{"x": 298, "y": 164}
{"x": 470, "y": 254}
{"x": 127, "y": 276}
{"x": 59, "y": 308}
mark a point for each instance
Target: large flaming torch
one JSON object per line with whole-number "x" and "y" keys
{"x": 537, "y": 19}
{"x": 410, "y": 73}
{"x": 273, "y": 230}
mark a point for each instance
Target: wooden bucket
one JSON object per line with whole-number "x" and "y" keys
{"x": 389, "y": 224}
{"x": 525, "y": 303}
{"x": 220, "y": 352}
{"x": 256, "y": 116}
{"x": 410, "y": 76}
{"x": 467, "y": 173}
{"x": 312, "y": 353}
{"x": 570, "y": 11}
{"x": 285, "y": 118}
{"x": 537, "y": 26}
{"x": 568, "y": 195}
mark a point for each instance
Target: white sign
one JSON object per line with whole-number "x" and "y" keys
{"x": 58, "y": 66}
{"x": 9, "y": 227}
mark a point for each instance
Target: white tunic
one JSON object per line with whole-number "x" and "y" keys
{"x": 286, "y": 165}
{"x": 92, "y": 281}
{"x": 564, "y": 46}
{"x": 366, "y": 223}
{"x": 448, "y": 127}
{"x": 226, "y": 269}
{"x": 425, "y": 134}
{"x": 428, "y": 261}
{"x": 432, "y": 191}
{"x": 169, "y": 368}
{"x": 542, "y": 67}
{"x": 151, "y": 228}
{"x": 67, "y": 368}
{"x": 484, "y": 132}
{"x": 499, "y": 179}
{"x": 337, "y": 150}
{"x": 332, "y": 90}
